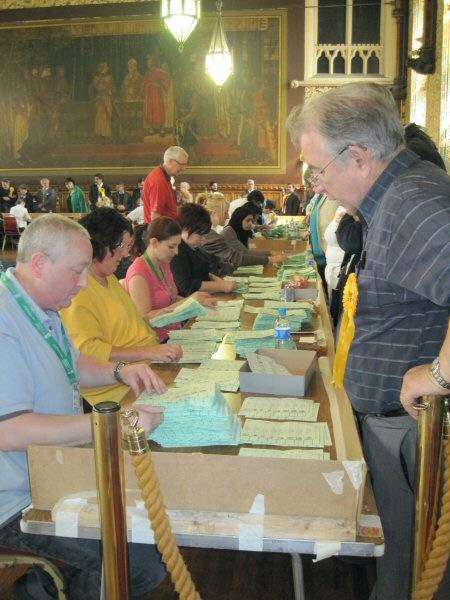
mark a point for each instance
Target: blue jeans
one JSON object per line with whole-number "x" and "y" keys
{"x": 82, "y": 563}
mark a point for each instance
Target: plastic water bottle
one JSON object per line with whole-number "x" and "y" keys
{"x": 282, "y": 330}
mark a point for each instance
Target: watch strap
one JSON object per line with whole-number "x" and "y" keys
{"x": 117, "y": 369}
{"x": 437, "y": 375}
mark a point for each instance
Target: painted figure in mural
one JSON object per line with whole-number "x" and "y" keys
{"x": 155, "y": 87}
{"x": 62, "y": 96}
{"x": 132, "y": 83}
{"x": 21, "y": 111}
{"x": 169, "y": 102}
{"x": 246, "y": 138}
{"x": 102, "y": 90}
{"x": 264, "y": 133}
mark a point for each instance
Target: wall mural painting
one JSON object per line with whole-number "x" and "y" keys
{"x": 87, "y": 95}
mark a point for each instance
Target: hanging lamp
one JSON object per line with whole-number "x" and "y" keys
{"x": 181, "y": 18}
{"x": 219, "y": 60}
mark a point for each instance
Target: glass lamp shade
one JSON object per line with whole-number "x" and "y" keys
{"x": 219, "y": 60}
{"x": 180, "y": 17}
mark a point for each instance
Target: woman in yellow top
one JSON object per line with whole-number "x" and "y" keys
{"x": 102, "y": 319}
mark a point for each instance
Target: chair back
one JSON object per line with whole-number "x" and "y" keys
{"x": 10, "y": 225}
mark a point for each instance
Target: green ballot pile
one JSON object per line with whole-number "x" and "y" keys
{"x": 250, "y": 270}
{"x": 241, "y": 284}
{"x": 189, "y": 309}
{"x": 267, "y": 321}
{"x": 228, "y": 381}
{"x": 249, "y": 341}
{"x": 194, "y": 415}
{"x": 178, "y": 336}
{"x": 221, "y": 314}
{"x": 268, "y": 294}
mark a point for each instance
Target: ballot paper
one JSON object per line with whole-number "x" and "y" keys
{"x": 265, "y": 321}
{"x": 241, "y": 284}
{"x": 194, "y": 351}
{"x": 188, "y": 309}
{"x": 196, "y": 414}
{"x": 177, "y": 335}
{"x": 228, "y": 381}
{"x": 259, "y": 363}
{"x": 215, "y": 324}
{"x": 295, "y": 305}
{"x": 255, "y": 286}
{"x": 279, "y": 409}
{"x": 253, "y": 289}
{"x": 314, "y": 454}
{"x": 250, "y": 270}
{"x": 286, "y": 433}
{"x": 223, "y": 365}
{"x": 249, "y": 341}
{"x": 269, "y": 294}
{"x": 221, "y": 314}
{"x": 228, "y": 303}
{"x": 269, "y": 281}
{"x": 304, "y": 314}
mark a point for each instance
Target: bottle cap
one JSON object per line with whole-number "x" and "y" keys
{"x": 282, "y": 312}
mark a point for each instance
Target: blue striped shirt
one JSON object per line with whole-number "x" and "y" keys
{"x": 404, "y": 284}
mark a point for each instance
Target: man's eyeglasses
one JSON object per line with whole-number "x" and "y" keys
{"x": 314, "y": 180}
{"x": 181, "y": 164}
{"x": 123, "y": 246}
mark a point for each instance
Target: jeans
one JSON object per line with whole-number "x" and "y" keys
{"x": 82, "y": 563}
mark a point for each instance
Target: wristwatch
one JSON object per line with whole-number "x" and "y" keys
{"x": 436, "y": 374}
{"x": 116, "y": 372}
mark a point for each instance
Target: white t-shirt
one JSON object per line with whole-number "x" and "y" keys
{"x": 234, "y": 204}
{"x": 137, "y": 215}
{"x": 21, "y": 214}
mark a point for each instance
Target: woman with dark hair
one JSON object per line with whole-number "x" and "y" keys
{"x": 149, "y": 280}
{"x": 102, "y": 319}
{"x": 76, "y": 202}
{"x": 190, "y": 267}
{"x": 240, "y": 230}
{"x": 420, "y": 142}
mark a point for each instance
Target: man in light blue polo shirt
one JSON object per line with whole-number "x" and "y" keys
{"x": 39, "y": 393}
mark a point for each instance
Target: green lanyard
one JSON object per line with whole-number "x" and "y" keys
{"x": 64, "y": 355}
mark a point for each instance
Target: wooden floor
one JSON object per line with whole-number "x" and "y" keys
{"x": 229, "y": 575}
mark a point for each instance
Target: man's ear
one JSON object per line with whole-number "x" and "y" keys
{"x": 362, "y": 159}
{"x": 38, "y": 262}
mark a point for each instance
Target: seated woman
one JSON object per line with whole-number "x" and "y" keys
{"x": 102, "y": 319}
{"x": 190, "y": 267}
{"x": 149, "y": 280}
{"x": 238, "y": 232}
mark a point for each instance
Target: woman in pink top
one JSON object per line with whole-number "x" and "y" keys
{"x": 149, "y": 279}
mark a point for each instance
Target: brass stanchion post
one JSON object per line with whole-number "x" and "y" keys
{"x": 111, "y": 497}
{"x": 427, "y": 480}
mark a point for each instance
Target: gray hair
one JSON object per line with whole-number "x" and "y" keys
{"x": 174, "y": 152}
{"x": 49, "y": 234}
{"x": 356, "y": 114}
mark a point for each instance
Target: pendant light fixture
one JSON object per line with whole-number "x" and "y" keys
{"x": 181, "y": 18}
{"x": 219, "y": 60}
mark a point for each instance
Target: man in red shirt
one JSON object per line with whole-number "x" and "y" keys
{"x": 159, "y": 196}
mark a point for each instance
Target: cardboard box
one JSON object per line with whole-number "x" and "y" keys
{"x": 300, "y": 363}
{"x": 309, "y": 293}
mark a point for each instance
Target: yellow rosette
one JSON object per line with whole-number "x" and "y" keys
{"x": 347, "y": 331}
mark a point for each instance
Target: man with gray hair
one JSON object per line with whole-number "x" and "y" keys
{"x": 40, "y": 402}
{"x": 352, "y": 139}
{"x": 159, "y": 196}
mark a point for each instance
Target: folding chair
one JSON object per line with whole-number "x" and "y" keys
{"x": 10, "y": 230}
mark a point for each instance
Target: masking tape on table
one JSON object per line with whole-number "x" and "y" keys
{"x": 335, "y": 480}
{"x": 67, "y": 516}
{"x": 354, "y": 471}
{"x": 325, "y": 550}
{"x": 251, "y": 534}
{"x": 141, "y": 530}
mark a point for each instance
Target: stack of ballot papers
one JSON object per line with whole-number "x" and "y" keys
{"x": 229, "y": 303}
{"x": 228, "y": 325}
{"x": 279, "y": 409}
{"x": 267, "y": 294}
{"x": 249, "y": 341}
{"x": 250, "y": 270}
{"x": 194, "y": 351}
{"x": 301, "y": 304}
{"x": 189, "y": 309}
{"x": 221, "y": 314}
{"x": 286, "y": 273}
{"x": 285, "y": 433}
{"x": 298, "y": 453}
{"x": 295, "y": 260}
{"x": 302, "y": 313}
{"x": 265, "y": 365}
{"x": 266, "y": 281}
{"x": 227, "y": 380}
{"x": 177, "y": 336}
{"x": 267, "y": 321}
{"x": 241, "y": 284}
{"x": 195, "y": 415}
